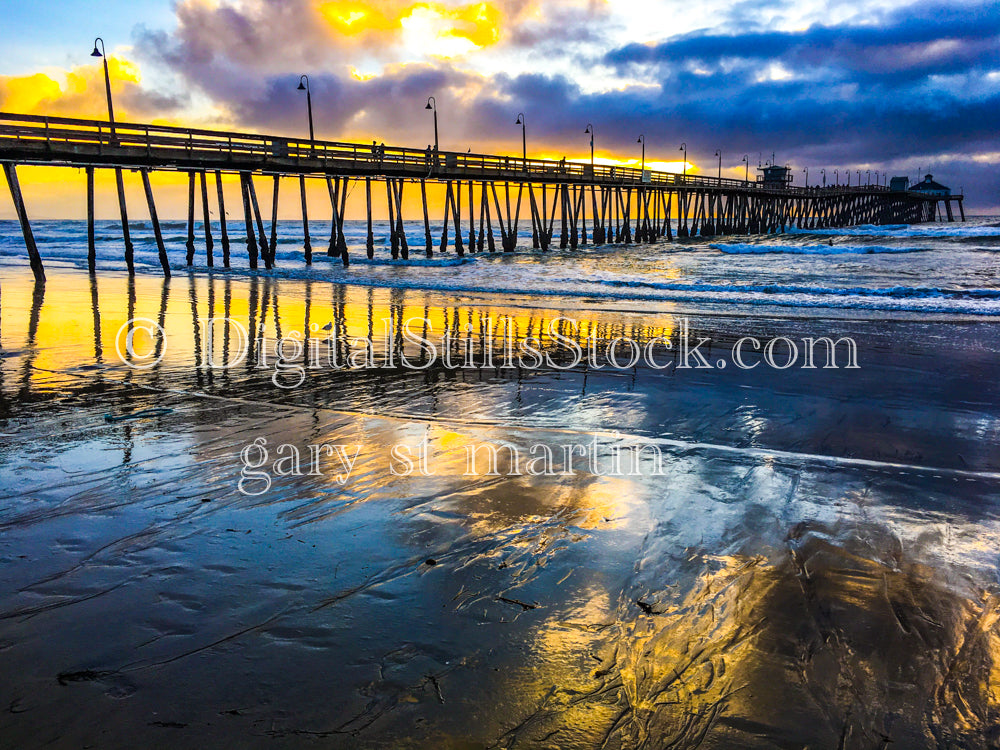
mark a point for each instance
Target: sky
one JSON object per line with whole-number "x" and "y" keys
{"x": 892, "y": 86}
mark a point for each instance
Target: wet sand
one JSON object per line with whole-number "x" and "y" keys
{"x": 815, "y": 566}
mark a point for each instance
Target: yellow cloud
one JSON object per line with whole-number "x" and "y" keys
{"x": 357, "y": 75}
{"x": 480, "y": 23}
{"x": 446, "y": 29}
{"x": 352, "y": 18}
{"x": 24, "y": 93}
{"x": 75, "y": 93}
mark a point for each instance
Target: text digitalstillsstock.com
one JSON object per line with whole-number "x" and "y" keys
{"x": 559, "y": 346}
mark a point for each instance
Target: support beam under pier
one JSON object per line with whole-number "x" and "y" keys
{"x": 10, "y": 170}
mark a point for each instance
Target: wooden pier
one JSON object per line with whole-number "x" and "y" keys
{"x": 488, "y": 198}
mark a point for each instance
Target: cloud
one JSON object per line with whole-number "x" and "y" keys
{"x": 561, "y": 24}
{"x": 80, "y": 92}
{"x": 908, "y": 44}
{"x": 280, "y": 35}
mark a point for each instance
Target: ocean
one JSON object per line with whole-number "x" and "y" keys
{"x": 947, "y": 268}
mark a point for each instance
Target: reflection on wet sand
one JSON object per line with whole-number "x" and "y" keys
{"x": 845, "y": 641}
{"x": 770, "y": 588}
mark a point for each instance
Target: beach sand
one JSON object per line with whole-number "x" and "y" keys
{"x": 814, "y": 566}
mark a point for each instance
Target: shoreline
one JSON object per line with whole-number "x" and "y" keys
{"x": 561, "y": 300}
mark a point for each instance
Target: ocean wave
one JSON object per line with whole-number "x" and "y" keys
{"x": 897, "y": 292}
{"x": 930, "y": 231}
{"x": 976, "y": 302}
{"x": 738, "y": 248}
{"x": 940, "y": 280}
{"x": 358, "y": 257}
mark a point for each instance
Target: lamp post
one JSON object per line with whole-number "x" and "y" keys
{"x": 590, "y": 129}
{"x": 719, "y": 154}
{"x": 868, "y": 178}
{"x": 304, "y": 86}
{"x": 524, "y": 139}
{"x": 823, "y": 172}
{"x": 433, "y": 105}
{"x": 806, "y": 170}
{"x": 848, "y": 177}
{"x": 684, "y": 148}
{"x": 642, "y": 167}
{"x": 836, "y": 176}
{"x": 859, "y": 178}
{"x": 107, "y": 81}
{"x": 746, "y": 172}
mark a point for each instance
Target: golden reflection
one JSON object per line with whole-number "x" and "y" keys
{"x": 864, "y": 640}
{"x": 260, "y": 312}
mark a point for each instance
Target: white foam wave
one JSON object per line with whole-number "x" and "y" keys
{"x": 744, "y": 248}
{"x": 906, "y": 230}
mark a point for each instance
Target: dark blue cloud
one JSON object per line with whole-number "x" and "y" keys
{"x": 910, "y": 43}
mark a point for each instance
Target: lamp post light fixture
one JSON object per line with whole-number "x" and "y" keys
{"x": 590, "y": 129}
{"x": 746, "y": 172}
{"x": 719, "y": 154}
{"x": 524, "y": 139}
{"x": 806, "y": 170}
{"x": 304, "y": 86}
{"x": 642, "y": 167}
{"x": 684, "y": 148}
{"x": 107, "y": 81}
{"x": 823, "y": 172}
{"x": 433, "y": 105}
{"x": 836, "y": 176}
{"x": 859, "y": 178}
{"x": 868, "y": 178}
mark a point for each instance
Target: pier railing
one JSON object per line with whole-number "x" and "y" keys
{"x": 27, "y": 138}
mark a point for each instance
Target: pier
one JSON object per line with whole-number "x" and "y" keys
{"x": 488, "y": 198}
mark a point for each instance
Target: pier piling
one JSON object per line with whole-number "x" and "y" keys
{"x": 123, "y": 212}
{"x": 206, "y": 219}
{"x": 91, "y": 245}
{"x": 223, "y": 229}
{"x": 190, "y": 220}
{"x": 305, "y": 220}
{"x": 155, "y": 221}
